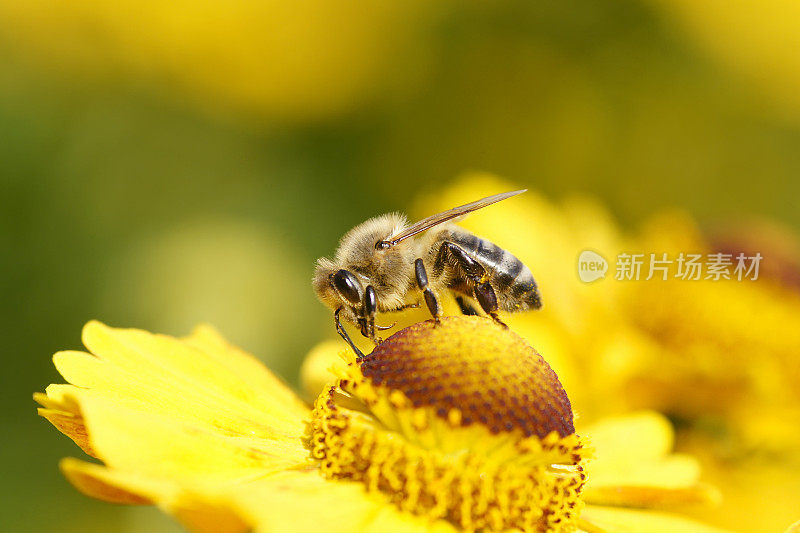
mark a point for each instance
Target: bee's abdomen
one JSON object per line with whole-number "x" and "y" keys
{"x": 512, "y": 281}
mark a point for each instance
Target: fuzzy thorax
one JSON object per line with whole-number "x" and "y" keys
{"x": 460, "y": 421}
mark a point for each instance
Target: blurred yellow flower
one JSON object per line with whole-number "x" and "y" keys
{"x": 287, "y": 60}
{"x": 757, "y": 40}
{"x": 447, "y": 428}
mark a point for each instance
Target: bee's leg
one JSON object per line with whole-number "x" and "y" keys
{"x": 486, "y": 296}
{"x": 422, "y": 282}
{"x": 466, "y": 308}
{"x": 370, "y": 308}
{"x": 473, "y": 270}
{"x": 343, "y": 334}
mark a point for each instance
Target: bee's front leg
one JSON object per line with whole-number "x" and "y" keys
{"x": 430, "y": 297}
{"x": 343, "y": 334}
{"x": 370, "y": 308}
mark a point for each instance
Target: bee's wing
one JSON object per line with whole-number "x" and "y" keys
{"x": 444, "y": 216}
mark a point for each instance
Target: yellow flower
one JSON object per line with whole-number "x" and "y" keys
{"x": 447, "y": 428}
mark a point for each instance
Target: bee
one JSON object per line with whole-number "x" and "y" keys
{"x": 385, "y": 264}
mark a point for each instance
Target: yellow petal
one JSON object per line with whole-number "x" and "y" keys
{"x": 631, "y": 438}
{"x": 203, "y": 517}
{"x": 632, "y": 452}
{"x": 67, "y": 419}
{"x": 294, "y": 501}
{"x": 201, "y": 373}
{"x": 615, "y": 520}
{"x": 204, "y": 514}
{"x": 391, "y": 519}
{"x": 651, "y": 496}
{"x": 672, "y": 471}
{"x": 319, "y": 366}
{"x": 303, "y": 501}
{"x": 96, "y": 481}
{"x": 179, "y": 448}
{"x": 202, "y": 380}
{"x": 244, "y": 368}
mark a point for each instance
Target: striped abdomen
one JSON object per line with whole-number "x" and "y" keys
{"x": 511, "y": 280}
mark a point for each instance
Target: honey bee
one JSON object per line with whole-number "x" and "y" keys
{"x": 382, "y": 265}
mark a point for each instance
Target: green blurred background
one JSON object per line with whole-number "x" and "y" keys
{"x": 163, "y": 165}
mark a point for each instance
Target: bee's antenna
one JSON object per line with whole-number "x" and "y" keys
{"x": 342, "y": 333}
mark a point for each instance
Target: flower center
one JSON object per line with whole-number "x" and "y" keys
{"x": 461, "y": 421}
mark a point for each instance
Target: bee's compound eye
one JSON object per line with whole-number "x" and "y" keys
{"x": 347, "y": 286}
{"x": 382, "y": 245}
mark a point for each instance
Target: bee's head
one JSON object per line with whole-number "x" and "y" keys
{"x": 359, "y": 262}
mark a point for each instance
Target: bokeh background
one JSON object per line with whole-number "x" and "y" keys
{"x": 169, "y": 163}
